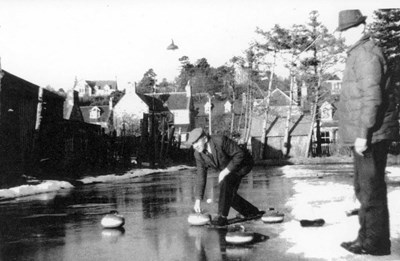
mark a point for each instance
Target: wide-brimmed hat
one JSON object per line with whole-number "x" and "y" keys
{"x": 350, "y": 18}
{"x": 195, "y": 135}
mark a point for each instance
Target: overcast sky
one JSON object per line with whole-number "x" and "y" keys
{"x": 49, "y": 42}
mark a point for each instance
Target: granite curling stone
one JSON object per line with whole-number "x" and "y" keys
{"x": 239, "y": 237}
{"x": 198, "y": 219}
{"x": 273, "y": 217}
{"x": 113, "y": 220}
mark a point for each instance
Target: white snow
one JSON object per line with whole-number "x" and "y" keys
{"x": 315, "y": 199}
{"x": 130, "y": 174}
{"x": 26, "y": 190}
{"x": 54, "y": 185}
{"x": 393, "y": 173}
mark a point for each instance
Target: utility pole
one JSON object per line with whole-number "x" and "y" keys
{"x": 286, "y": 138}
{"x": 267, "y": 101}
{"x": 209, "y": 115}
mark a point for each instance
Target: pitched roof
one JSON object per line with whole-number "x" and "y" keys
{"x": 153, "y": 103}
{"x": 279, "y": 98}
{"x": 105, "y": 113}
{"x": 160, "y": 102}
{"x": 299, "y": 126}
{"x": 175, "y": 100}
{"x": 19, "y": 84}
{"x": 113, "y": 84}
{"x": 200, "y": 99}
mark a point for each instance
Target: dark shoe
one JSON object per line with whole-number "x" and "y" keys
{"x": 312, "y": 223}
{"x": 377, "y": 252}
{"x": 348, "y": 244}
{"x": 219, "y": 221}
{"x": 355, "y": 247}
{"x": 259, "y": 214}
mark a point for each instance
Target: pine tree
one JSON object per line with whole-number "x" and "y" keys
{"x": 385, "y": 28}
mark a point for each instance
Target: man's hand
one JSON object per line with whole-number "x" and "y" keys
{"x": 197, "y": 206}
{"x": 360, "y": 145}
{"x": 223, "y": 174}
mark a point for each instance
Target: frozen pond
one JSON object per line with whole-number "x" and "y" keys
{"x": 66, "y": 225}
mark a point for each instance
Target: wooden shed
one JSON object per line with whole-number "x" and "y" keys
{"x": 18, "y": 117}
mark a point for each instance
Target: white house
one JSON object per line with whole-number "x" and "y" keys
{"x": 128, "y": 112}
{"x": 95, "y": 88}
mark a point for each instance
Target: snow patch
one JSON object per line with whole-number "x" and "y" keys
{"x": 26, "y": 190}
{"x": 53, "y": 185}
{"x": 329, "y": 201}
{"x": 130, "y": 174}
{"x": 393, "y": 173}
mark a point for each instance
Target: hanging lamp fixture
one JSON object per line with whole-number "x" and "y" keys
{"x": 172, "y": 46}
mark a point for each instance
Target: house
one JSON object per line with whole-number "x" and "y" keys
{"x": 222, "y": 111}
{"x": 177, "y": 107}
{"x": 334, "y": 84}
{"x": 128, "y": 112}
{"x": 96, "y": 88}
{"x": 329, "y": 127}
{"x": 24, "y": 109}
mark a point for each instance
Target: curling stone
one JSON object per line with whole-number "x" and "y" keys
{"x": 198, "y": 219}
{"x": 113, "y": 220}
{"x": 239, "y": 237}
{"x": 273, "y": 217}
{"x": 312, "y": 223}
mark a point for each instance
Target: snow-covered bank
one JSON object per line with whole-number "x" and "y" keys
{"x": 53, "y": 185}
{"x": 130, "y": 174}
{"x": 27, "y": 190}
{"x": 316, "y": 198}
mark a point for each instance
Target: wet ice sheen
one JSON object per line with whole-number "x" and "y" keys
{"x": 67, "y": 225}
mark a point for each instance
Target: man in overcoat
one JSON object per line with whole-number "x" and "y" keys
{"x": 225, "y": 155}
{"x": 367, "y": 123}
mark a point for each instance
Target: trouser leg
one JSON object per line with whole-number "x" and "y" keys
{"x": 371, "y": 191}
{"x": 228, "y": 197}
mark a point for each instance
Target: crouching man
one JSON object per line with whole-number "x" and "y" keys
{"x": 225, "y": 155}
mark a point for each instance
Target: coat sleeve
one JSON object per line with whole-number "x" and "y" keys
{"x": 369, "y": 76}
{"x": 237, "y": 155}
{"x": 201, "y": 176}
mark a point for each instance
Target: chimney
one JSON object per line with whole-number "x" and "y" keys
{"x": 110, "y": 104}
{"x": 188, "y": 89}
{"x": 304, "y": 94}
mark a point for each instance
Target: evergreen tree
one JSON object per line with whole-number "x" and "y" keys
{"x": 385, "y": 28}
{"x": 146, "y": 85}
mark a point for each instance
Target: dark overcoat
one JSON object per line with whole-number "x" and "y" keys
{"x": 367, "y": 107}
{"x": 226, "y": 153}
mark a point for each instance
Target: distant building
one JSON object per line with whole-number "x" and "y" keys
{"x": 222, "y": 110}
{"x": 176, "y": 106}
{"x": 99, "y": 115}
{"x": 334, "y": 84}
{"x": 96, "y": 88}
{"x": 128, "y": 112}
{"x": 329, "y": 127}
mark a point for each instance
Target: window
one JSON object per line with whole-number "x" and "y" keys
{"x": 325, "y": 137}
{"x": 95, "y": 113}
